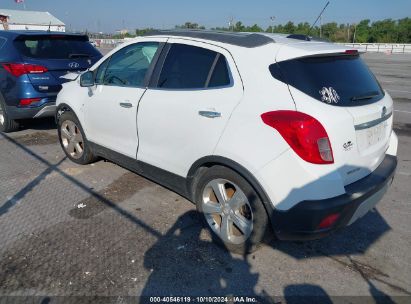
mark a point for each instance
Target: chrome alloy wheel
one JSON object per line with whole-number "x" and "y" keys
{"x": 72, "y": 139}
{"x": 227, "y": 211}
{"x": 1, "y": 115}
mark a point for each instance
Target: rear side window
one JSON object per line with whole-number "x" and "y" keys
{"x": 337, "y": 80}
{"x": 55, "y": 47}
{"x": 190, "y": 67}
{"x": 220, "y": 76}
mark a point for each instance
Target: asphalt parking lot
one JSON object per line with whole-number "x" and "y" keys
{"x": 99, "y": 230}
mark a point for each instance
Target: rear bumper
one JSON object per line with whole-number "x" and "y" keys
{"x": 46, "y": 109}
{"x": 302, "y": 220}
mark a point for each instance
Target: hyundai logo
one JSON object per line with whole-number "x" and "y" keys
{"x": 73, "y": 65}
{"x": 384, "y": 111}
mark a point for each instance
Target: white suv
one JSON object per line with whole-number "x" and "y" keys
{"x": 258, "y": 130}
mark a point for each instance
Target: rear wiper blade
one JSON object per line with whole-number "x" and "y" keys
{"x": 71, "y": 56}
{"x": 365, "y": 96}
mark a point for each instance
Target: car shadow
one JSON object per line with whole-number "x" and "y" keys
{"x": 40, "y": 124}
{"x": 306, "y": 293}
{"x": 185, "y": 261}
{"x": 309, "y": 293}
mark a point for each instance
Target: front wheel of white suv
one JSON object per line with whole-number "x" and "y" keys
{"x": 231, "y": 209}
{"x": 72, "y": 139}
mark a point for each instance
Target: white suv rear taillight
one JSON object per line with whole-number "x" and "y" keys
{"x": 305, "y": 135}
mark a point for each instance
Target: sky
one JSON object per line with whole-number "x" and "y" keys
{"x": 110, "y": 15}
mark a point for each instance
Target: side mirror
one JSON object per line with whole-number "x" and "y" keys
{"x": 87, "y": 79}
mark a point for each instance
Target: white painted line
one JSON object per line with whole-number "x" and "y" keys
{"x": 404, "y": 173}
{"x": 399, "y": 91}
{"x": 408, "y": 112}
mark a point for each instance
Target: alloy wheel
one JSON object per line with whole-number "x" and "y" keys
{"x": 227, "y": 211}
{"x": 72, "y": 139}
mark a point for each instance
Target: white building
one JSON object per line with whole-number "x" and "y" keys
{"x": 122, "y": 32}
{"x": 29, "y": 20}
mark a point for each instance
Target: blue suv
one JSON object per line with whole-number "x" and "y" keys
{"x": 31, "y": 66}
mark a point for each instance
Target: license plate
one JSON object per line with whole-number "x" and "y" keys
{"x": 376, "y": 134}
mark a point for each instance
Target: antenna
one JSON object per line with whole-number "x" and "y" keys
{"x": 319, "y": 17}
{"x": 272, "y": 18}
{"x": 231, "y": 23}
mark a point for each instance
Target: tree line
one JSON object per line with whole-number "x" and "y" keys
{"x": 365, "y": 31}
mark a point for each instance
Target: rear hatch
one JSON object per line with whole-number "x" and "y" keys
{"x": 340, "y": 91}
{"x": 59, "y": 54}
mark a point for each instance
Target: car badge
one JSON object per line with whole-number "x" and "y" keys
{"x": 384, "y": 112}
{"x": 73, "y": 65}
{"x": 348, "y": 145}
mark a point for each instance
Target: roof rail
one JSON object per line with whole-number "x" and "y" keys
{"x": 248, "y": 40}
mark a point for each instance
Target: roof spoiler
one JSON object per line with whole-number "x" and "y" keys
{"x": 52, "y": 35}
{"x": 349, "y": 52}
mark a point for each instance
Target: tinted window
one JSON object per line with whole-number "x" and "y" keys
{"x": 337, "y": 80}
{"x": 128, "y": 67}
{"x": 56, "y": 47}
{"x": 186, "y": 67}
{"x": 220, "y": 76}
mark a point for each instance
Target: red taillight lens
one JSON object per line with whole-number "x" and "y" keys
{"x": 28, "y": 101}
{"x": 305, "y": 135}
{"x": 35, "y": 69}
{"x": 18, "y": 69}
{"x": 329, "y": 221}
{"x": 351, "y": 52}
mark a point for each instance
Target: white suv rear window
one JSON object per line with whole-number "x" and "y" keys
{"x": 342, "y": 80}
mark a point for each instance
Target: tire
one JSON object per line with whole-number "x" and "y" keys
{"x": 73, "y": 140}
{"x": 7, "y": 124}
{"x": 242, "y": 211}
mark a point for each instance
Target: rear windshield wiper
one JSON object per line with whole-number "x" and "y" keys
{"x": 71, "y": 56}
{"x": 365, "y": 96}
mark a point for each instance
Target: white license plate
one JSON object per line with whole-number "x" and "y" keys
{"x": 376, "y": 134}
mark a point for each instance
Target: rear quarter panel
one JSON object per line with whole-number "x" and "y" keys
{"x": 246, "y": 139}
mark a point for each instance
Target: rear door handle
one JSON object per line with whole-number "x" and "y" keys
{"x": 209, "y": 114}
{"x": 126, "y": 105}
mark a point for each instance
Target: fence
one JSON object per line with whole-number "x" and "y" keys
{"x": 389, "y": 48}
{"x": 108, "y": 43}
